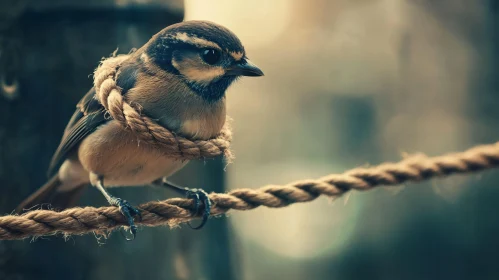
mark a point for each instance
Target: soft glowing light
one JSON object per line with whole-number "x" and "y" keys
{"x": 256, "y": 23}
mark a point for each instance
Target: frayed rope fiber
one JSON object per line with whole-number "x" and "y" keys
{"x": 174, "y": 211}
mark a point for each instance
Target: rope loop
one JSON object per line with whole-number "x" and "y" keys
{"x": 148, "y": 130}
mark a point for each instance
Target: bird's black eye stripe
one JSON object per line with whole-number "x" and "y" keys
{"x": 211, "y": 56}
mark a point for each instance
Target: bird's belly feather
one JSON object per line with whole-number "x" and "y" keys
{"x": 122, "y": 159}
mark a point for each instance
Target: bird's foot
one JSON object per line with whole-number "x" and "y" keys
{"x": 199, "y": 195}
{"x": 128, "y": 212}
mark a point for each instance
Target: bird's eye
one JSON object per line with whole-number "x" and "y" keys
{"x": 211, "y": 56}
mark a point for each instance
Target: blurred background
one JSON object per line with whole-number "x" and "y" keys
{"x": 347, "y": 83}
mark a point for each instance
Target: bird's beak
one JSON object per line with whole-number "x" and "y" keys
{"x": 244, "y": 68}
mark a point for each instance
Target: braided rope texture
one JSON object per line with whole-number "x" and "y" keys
{"x": 148, "y": 130}
{"x": 174, "y": 211}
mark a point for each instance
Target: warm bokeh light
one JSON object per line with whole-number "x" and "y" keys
{"x": 269, "y": 18}
{"x": 337, "y": 73}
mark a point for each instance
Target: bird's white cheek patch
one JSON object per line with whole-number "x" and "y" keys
{"x": 203, "y": 76}
{"x": 199, "y": 74}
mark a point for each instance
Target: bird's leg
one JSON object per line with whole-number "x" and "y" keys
{"x": 197, "y": 194}
{"x": 125, "y": 208}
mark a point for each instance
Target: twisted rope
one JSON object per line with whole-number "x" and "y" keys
{"x": 146, "y": 129}
{"x": 174, "y": 211}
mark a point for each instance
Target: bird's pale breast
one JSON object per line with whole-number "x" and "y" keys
{"x": 123, "y": 160}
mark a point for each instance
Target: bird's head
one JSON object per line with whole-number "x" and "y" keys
{"x": 206, "y": 56}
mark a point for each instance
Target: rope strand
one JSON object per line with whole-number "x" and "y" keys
{"x": 175, "y": 211}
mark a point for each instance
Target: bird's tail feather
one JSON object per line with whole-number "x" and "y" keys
{"x": 52, "y": 196}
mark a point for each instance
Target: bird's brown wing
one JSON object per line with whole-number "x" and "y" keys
{"x": 89, "y": 115}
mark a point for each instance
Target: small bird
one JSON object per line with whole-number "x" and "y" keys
{"x": 179, "y": 78}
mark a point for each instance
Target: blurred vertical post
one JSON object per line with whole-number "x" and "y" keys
{"x": 48, "y": 51}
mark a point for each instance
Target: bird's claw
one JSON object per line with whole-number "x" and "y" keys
{"x": 129, "y": 212}
{"x": 200, "y": 195}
